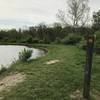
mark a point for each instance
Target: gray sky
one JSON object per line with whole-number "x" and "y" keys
{"x": 18, "y": 13}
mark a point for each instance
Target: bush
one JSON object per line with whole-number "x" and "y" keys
{"x": 57, "y": 40}
{"x": 72, "y": 39}
{"x": 82, "y": 44}
{"x": 97, "y": 43}
{"x": 24, "y": 55}
{"x": 29, "y": 40}
{"x": 35, "y": 40}
{"x": 22, "y": 41}
{"x": 3, "y": 69}
{"x": 47, "y": 40}
{"x": 26, "y": 40}
{"x": 41, "y": 41}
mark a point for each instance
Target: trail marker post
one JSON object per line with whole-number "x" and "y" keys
{"x": 88, "y": 67}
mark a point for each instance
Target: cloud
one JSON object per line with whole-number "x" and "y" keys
{"x": 95, "y": 5}
{"x": 26, "y": 12}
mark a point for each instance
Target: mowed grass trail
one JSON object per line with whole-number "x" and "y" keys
{"x": 55, "y": 81}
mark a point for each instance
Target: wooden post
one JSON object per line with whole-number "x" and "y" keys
{"x": 88, "y": 67}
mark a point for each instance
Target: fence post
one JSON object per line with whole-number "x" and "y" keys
{"x": 88, "y": 67}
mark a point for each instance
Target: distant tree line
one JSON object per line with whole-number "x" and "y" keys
{"x": 39, "y": 34}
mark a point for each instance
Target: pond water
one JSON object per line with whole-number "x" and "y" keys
{"x": 9, "y": 54}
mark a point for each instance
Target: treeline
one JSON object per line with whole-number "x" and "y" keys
{"x": 40, "y": 34}
{"x": 57, "y": 34}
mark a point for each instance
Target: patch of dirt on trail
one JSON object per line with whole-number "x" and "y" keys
{"x": 76, "y": 95}
{"x": 11, "y": 81}
{"x": 52, "y": 62}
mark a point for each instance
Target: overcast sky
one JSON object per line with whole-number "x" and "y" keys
{"x": 18, "y": 13}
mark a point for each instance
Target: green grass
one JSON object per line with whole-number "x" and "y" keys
{"x": 53, "y": 82}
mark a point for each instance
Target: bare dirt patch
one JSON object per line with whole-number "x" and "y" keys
{"x": 11, "y": 81}
{"x": 76, "y": 95}
{"x": 52, "y": 62}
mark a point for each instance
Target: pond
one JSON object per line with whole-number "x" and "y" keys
{"x": 9, "y": 54}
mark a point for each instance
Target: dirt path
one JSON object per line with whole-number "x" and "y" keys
{"x": 11, "y": 81}
{"x": 52, "y": 62}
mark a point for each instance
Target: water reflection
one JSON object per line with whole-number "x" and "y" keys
{"x": 9, "y": 53}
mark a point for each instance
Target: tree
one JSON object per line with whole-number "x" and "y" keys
{"x": 77, "y": 14}
{"x": 57, "y": 30}
{"x": 41, "y": 31}
{"x": 96, "y": 20}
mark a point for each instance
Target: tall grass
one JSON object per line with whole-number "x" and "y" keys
{"x": 25, "y": 54}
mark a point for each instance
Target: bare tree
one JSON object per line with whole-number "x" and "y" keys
{"x": 77, "y": 13}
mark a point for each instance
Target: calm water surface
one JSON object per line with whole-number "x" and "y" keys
{"x": 9, "y": 53}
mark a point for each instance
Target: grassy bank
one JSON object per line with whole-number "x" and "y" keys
{"x": 53, "y": 82}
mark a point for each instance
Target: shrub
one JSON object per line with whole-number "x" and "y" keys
{"x": 41, "y": 41}
{"x": 72, "y": 39}
{"x": 35, "y": 40}
{"x": 24, "y": 55}
{"x": 26, "y": 40}
{"x": 57, "y": 40}
{"x": 29, "y": 40}
{"x": 82, "y": 44}
{"x": 13, "y": 40}
{"x": 22, "y": 41}
{"x": 97, "y": 43}
{"x": 3, "y": 69}
{"x": 47, "y": 40}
